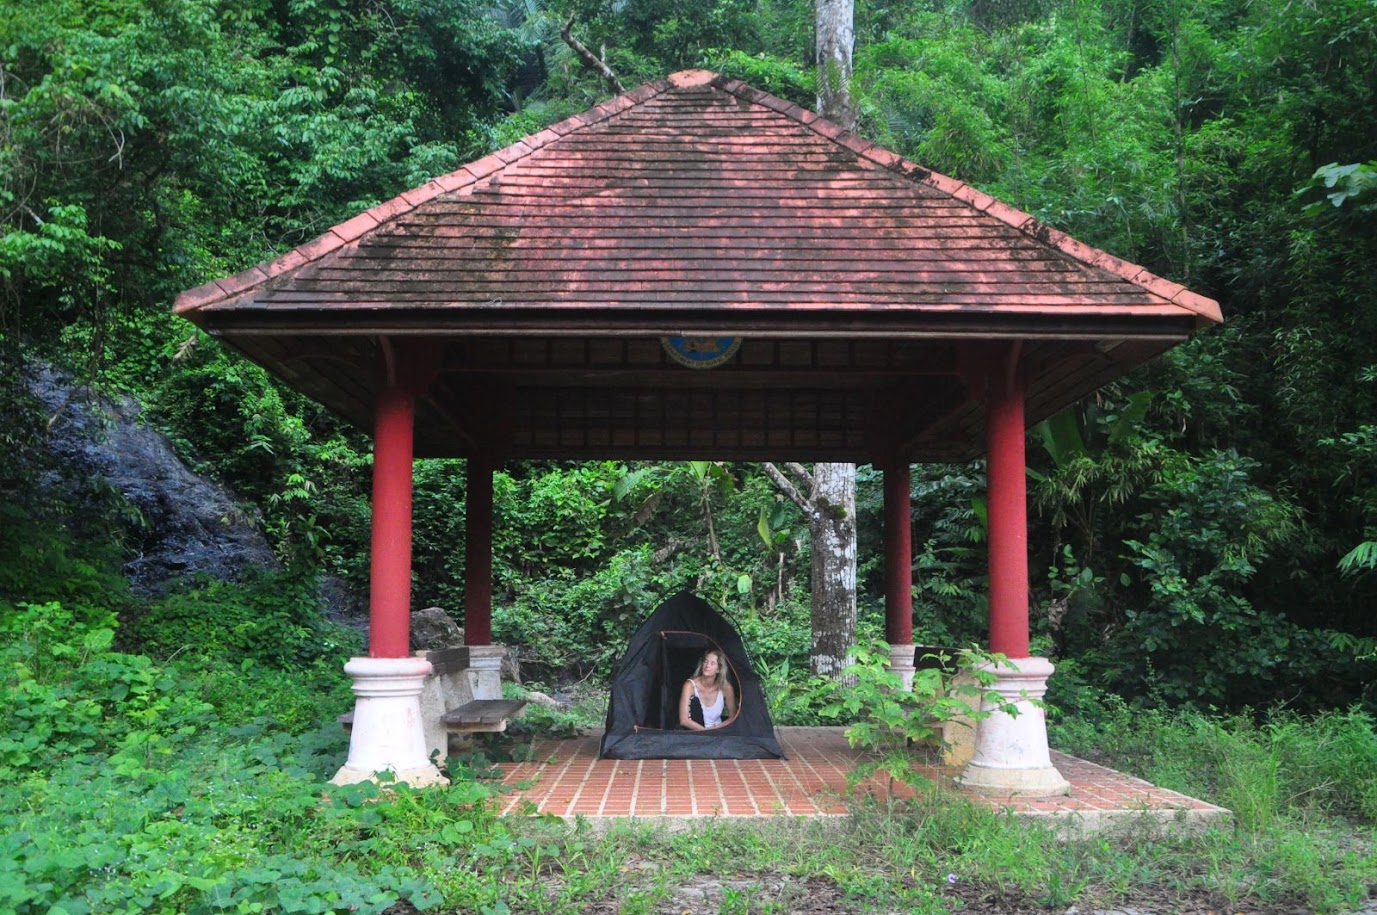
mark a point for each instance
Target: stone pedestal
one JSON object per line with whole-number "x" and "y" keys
{"x": 958, "y": 731}
{"x": 449, "y": 686}
{"x": 485, "y": 670}
{"x": 901, "y": 663}
{"x": 387, "y": 733}
{"x": 1011, "y": 756}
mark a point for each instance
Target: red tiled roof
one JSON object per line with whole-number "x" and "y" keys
{"x": 861, "y": 289}
{"x": 693, "y": 193}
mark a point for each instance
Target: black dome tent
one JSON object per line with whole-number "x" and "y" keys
{"x": 643, "y": 708}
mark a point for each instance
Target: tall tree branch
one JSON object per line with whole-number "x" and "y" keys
{"x": 787, "y": 487}
{"x": 590, "y": 60}
{"x": 803, "y": 474}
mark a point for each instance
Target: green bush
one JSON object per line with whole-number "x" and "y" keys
{"x": 270, "y": 617}
{"x": 120, "y": 792}
{"x": 71, "y": 696}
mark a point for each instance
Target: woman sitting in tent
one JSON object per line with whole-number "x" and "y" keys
{"x": 650, "y": 704}
{"x": 707, "y": 698}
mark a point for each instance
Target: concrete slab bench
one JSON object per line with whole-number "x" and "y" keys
{"x": 461, "y": 696}
{"x": 483, "y": 715}
{"x": 477, "y": 716}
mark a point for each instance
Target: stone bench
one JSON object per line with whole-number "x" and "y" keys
{"x": 483, "y": 715}
{"x": 957, "y": 734}
{"x": 462, "y": 696}
{"x": 480, "y": 715}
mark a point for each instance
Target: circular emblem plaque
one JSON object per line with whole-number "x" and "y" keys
{"x": 701, "y": 352}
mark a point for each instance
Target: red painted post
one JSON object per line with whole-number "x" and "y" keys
{"x": 898, "y": 555}
{"x": 389, "y": 623}
{"x": 1008, "y": 512}
{"x": 478, "y": 554}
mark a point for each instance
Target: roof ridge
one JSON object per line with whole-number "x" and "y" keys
{"x": 460, "y": 181}
{"x": 1207, "y": 310}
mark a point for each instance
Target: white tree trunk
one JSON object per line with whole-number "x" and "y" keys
{"x": 830, "y": 507}
{"x": 833, "y": 533}
{"x": 836, "y": 40}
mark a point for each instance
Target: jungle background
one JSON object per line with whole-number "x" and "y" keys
{"x": 1204, "y": 532}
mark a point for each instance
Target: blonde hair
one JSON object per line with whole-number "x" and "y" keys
{"x": 721, "y": 679}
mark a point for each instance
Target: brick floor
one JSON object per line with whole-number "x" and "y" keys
{"x": 567, "y": 779}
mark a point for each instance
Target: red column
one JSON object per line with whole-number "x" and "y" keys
{"x": 478, "y": 554}
{"x": 1008, "y": 512}
{"x": 898, "y": 555}
{"x": 389, "y": 627}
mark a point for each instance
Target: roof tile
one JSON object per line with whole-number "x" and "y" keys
{"x": 244, "y": 280}
{"x": 536, "y": 141}
{"x": 1007, "y": 214}
{"x": 198, "y": 297}
{"x": 287, "y": 262}
{"x": 486, "y": 165}
{"x": 426, "y": 192}
{"x": 389, "y": 210}
{"x": 321, "y": 246}
{"x": 517, "y": 150}
{"x": 686, "y": 79}
{"x": 1158, "y": 286}
{"x": 353, "y": 228}
{"x": 1207, "y": 309}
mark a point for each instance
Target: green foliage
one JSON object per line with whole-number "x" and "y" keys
{"x": 935, "y": 101}
{"x": 573, "y": 623}
{"x": 269, "y": 618}
{"x": 1361, "y": 557}
{"x": 1340, "y": 184}
{"x": 1210, "y": 530}
{"x": 71, "y": 696}
{"x": 51, "y": 554}
{"x": 778, "y": 76}
{"x": 950, "y": 604}
{"x": 147, "y": 147}
{"x": 893, "y": 722}
{"x": 170, "y": 810}
{"x": 121, "y": 791}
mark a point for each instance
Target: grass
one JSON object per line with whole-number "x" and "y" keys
{"x": 129, "y": 785}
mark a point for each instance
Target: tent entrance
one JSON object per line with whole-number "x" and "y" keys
{"x": 643, "y": 708}
{"x": 680, "y": 651}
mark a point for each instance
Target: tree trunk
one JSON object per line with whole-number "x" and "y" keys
{"x": 836, "y": 39}
{"x": 831, "y": 510}
{"x": 832, "y": 527}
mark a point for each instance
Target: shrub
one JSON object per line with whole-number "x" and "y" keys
{"x": 71, "y": 696}
{"x": 270, "y": 617}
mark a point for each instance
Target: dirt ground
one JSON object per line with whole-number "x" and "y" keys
{"x": 819, "y": 895}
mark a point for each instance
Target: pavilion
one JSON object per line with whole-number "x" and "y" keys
{"x": 696, "y": 270}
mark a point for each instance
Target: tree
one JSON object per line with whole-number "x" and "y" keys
{"x": 831, "y": 502}
{"x": 836, "y": 41}
{"x": 830, "y": 507}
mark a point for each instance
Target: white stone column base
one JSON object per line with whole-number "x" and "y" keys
{"x": 1011, "y": 756}
{"x": 901, "y": 663}
{"x": 387, "y": 734}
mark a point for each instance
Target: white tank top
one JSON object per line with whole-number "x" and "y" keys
{"x": 712, "y": 714}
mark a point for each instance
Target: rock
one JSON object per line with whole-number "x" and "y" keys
{"x": 343, "y": 606}
{"x": 182, "y": 523}
{"x": 541, "y": 699}
{"x": 433, "y": 629}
